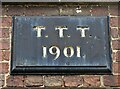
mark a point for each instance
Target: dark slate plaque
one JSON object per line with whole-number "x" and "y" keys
{"x": 60, "y": 45}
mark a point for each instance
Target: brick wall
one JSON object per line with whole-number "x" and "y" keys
{"x": 58, "y": 81}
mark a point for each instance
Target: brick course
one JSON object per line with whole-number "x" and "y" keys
{"x": 115, "y": 32}
{"x": 114, "y": 21}
{"x": 4, "y": 44}
{"x": 116, "y": 67}
{"x": 116, "y": 44}
{"x": 35, "y": 81}
{"x": 112, "y": 80}
{"x": 118, "y": 56}
{"x": 6, "y": 21}
{"x": 55, "y": 81}
{"x": 73, "y": 81}
{"x": 92, "y": 81}
{"x": 4, "y": 68}
{"x": 15, "y": 81}
{"x": 4, "y": 33}
{"x": 99, "y": 10}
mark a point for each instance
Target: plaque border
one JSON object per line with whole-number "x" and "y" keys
{"x": 41, "y": 70}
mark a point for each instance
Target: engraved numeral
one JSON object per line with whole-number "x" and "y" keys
{"x": 44, "y": 51}
{"x": 67, "y": 51}
{"x": 54, "y": 50}
{"x": 78, "y": 51}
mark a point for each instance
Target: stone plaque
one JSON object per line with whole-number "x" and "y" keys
{"x": 60, "y": 45}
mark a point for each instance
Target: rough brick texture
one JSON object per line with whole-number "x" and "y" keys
{"x": 114, "y": 22}
{"x": 73, "y": 81}
{"x": 1, "y": 56}
{"x": 59, "y": 81}
{"x": 118, "y": 56}
{"x": 5, "y": 55}
{"x": 99, "y": 10}
{"x": 12, "y": 10}
{"x": 4, "y": 44}
{"x": 110, "y": 80}
{"x": 35, "y": 81}
{"x": 116, "y": 44}
{"x": 115, "y": 32}
{"x": 4, "y": 33}
{"x": 41, "y": 10}
{"x": 15, "y": 81}
{"x": 55, "y": 81}
{"x": 113, "y": 10}
{"x": 4, "y": 68}
{"x": 116, "y": 67}
{"x": 6, "y": 21}
{"x": 91, "y": 81}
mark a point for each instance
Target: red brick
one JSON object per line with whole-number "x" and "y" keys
{"x": 0, "y": 55}
{"x": 73, "y": 81}
{"x": 1, "y": 33}
{"x": 99, "y": 10}
{"x": 114, "y": 56}
{"x": 115, "y": 33}
{"x": 6, "y": 21}
{"x": 116, "y": 44}
{"x": 92, "y": 81}
{"x": 14, "y": 10}
{"x": 4, "y": 33}
{"x": 114, "y": 21}
{"x": 9, "y": 81}
{"x": 4, "y": 44}
{"x": 6, "y": 55}
{"x": 119, "y": 21}
{"x": 118, "y": 56}
{"x": 4, "y": 68}
{"x": 33, "y": 88}
{"x": 55, "y": 81}
{"x": 42, "y": 10}
{"x": 85, "y": 10}
{"x": 116, "y": 67}
{"x": 15, "y": 81}
{"x": 113, "y": 10}
{"x": 111, "y": 80}
{"x": 35, "y": 81}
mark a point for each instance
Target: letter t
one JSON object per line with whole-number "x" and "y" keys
{"x": 83, "y": 30}
{"x": 61, "y": 31}
{"x": 39, "y": 30}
